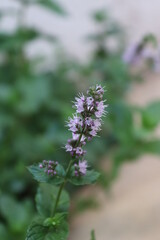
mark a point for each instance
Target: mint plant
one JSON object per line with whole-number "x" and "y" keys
{"x": 52, "y": 200}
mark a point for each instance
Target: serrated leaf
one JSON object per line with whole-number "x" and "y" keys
{"x": 51, "y": 5}
{"x": 37, "y": 231}
{"x": 89, "y": 178}
{"x": 39, "y": 175}
{"x": 45, "y": 200}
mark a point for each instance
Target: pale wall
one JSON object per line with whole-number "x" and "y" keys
{"x": 138, "y": 16}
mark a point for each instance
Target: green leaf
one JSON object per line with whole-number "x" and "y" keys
{"x": 152, "y": 147}
{"x": 89, "y": 178}
{"x": 37, "y": 231}
{"x": 151, "y": 115}
{"x": 60, "y": 170}
{"x": 51, "y": 5}
{"x": 39, "y": 175}
{"x": 18, "y": 39}
{"x": 46, "y": 197}
{"x": 15, "y": 213}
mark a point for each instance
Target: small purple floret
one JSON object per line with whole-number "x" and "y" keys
{"x": 41, "y": 165}
{"x": 81, "y": 168}
{"x": 49, "y": 167}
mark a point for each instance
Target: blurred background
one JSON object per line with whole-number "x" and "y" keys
{"x": 49, "y": 52}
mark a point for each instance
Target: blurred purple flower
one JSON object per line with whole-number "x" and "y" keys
{"x": 139, "y": 52}
{"x": 82, "y": 167}
{"x": 79, "y": 103}
{"x": 133, "y": 54}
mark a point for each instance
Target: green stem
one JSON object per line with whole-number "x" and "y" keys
{"x": 61, "y": 188}
{"x": 65, "y": 179}
{"x": 57, "y": 199}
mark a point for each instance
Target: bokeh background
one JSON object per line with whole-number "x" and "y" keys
{"x": 49, "y": 52}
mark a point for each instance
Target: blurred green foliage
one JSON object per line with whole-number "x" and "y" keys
{"x": 85, "y": 203}
{"x": 93, "y": 235}
{"x": 34, "y": 105}
{"x": 35, "y": 102}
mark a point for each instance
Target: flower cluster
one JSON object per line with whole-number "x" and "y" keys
{"x": 85, "y": 124}
{"x": 49, "y": 167}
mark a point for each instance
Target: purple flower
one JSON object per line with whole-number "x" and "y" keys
{"x": 68, "y": 147}
{"x": 74, "y": 123}
{"x": 95, "y": 127}
{"x": 100, "y": 109}
{"x": 93, "y": 132}
{"x": 75, "y": 136}
{"x": 90, "y": 103}
{"x": 82, "y": 167}
{"x": 97, "y": 124}
{"x": 132, "y": 54}
{"x": 79, "y": 151}
{"x": 88, "y": 121}
{"x": 41, "y": 165}
{"x": 79, "y": 104}
{"x": 99, "y": 90}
